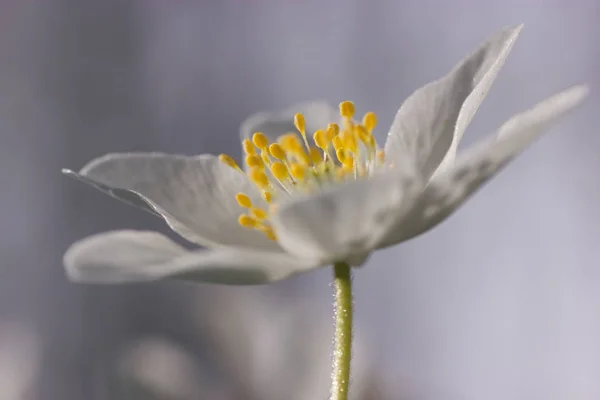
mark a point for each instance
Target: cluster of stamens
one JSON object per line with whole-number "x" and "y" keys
{"x": 293, "y": 165}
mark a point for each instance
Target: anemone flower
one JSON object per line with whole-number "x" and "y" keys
{"x": 314, "y": 188}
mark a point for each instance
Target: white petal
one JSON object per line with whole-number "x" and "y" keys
{"x": 433, "y": 119}
{"x": 195, "y": 195}
{"x": 137, "y": 256}
{"x": 346, "y": 221}
{"x": 318, "y": 114}
{"x": 447, "y": 191}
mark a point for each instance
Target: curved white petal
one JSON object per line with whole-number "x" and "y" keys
{"x": 138, "y": 256}
{"x": 447, "y": 191}
{"x": 345, "y": 222}
{"x": 432, "y": 120}
{"x": 195, "y": 195}
{"x": 318, "y": 114}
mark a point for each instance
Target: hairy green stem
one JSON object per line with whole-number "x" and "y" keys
{"x": 342, "y": 351}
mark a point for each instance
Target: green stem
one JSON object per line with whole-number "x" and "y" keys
{"x": 342, "y": 353}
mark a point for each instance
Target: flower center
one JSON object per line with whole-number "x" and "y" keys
{"x": 291, "y": 166}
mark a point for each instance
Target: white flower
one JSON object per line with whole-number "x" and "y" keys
{"x": 294, "y": 211}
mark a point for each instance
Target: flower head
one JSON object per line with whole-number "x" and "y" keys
{"x": 314, "y": 187}
{"x": 293, "y": 165}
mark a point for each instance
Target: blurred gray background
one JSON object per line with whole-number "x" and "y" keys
{"x": 502, "y": 301}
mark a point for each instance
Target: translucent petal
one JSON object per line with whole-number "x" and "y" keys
{"x": 345, "y": 222}
{"x": 447, "y": 191}
{"x": 195, "y": 195}
{"x": 318, "y": 114}
{"x": 138, "y": 256}
{"x": 431, "y": 122}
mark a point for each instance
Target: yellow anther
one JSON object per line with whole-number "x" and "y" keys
{"x": 302, "y": 158}
{"x": 349, "y": 141}
{"x": 267, "y": 196}
{"x": 258, "y": 176}
{"x": 321, "y": 139}
{"x": 332, "y": 131}
{"x": 372, "y": 143}
{"x": 362, "y": 133}
{"x": 260, "y": 140}
{"x": 348, "y": 164}
{"x": 268, "y": 231}
{"x": 254, "y": 161}
{"x": 279, "y": 170}
{"x": 315, "y": 155}
{"x": 369, "y": 121}
{"x": 347, "y": 109}
{"x": 297, "y": 171}
{"x": 290, "y": 142}
{"x": 227, "y": 160}
{"x": 345, "y": 157}
{"x": 265, "y": 158}
{"x": 243, "y": 200}
{"x": 247, "y": 221}
{"x": 258, "y": 213}
{"x": 277, "y": 151}
{"x": 341, "y": 155}
{"x": 380, "y": 156}
{"x": 337, "y": 143}
{"x": 365, "y": 137}
{"x": 248, "y": 146}
{"x": 300, "y": 124}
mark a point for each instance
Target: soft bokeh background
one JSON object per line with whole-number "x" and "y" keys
{"x": 500, "y": 302}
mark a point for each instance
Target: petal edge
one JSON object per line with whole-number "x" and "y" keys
{"x": 144, "y": 256}
{"x": 448, "y": 190}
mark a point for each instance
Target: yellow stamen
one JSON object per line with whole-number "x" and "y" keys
{"x": 300, "y": 124}
{"x": 247, "y": 221}
{"x": 277, "y": 152}
{"x": 321, "y": 139}
{"x": 315, "y": 156}
{"x": 260, "y": 140}
{"x": 260, "y": 179}
{"x": 362, "y": 134}
{"x": 349, "y": 141}
{"x": 268, "y": 231}
{"x": 243, "y": 200}
{"x": 289, "y": 142}
{"x": 369, "y": 121}
{"x": 279, "y": 170}
{"x": 303, "y": 158}
{"x": 265, "y": 158}
{"x": 332, "y": 131}
{"x": 267, "y": 196}
{"x": 341, "y": 155}
{"x": 258, "y": 213}
{"x": 337, "y": 143}
{"x": 297, "y": 171}
{"x": 248, "y": 146}
{"x": 286, "y": 166}
{"x": 254, "y": 161}
{"x": 227, "y": 160}
{"x": 347, "y": 109}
